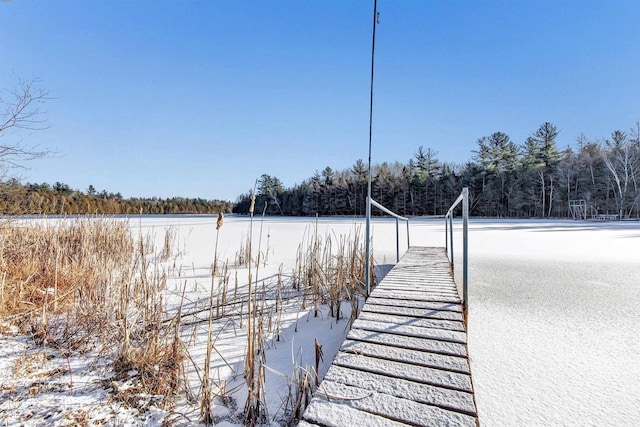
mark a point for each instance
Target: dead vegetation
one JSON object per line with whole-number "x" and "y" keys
{"x": 330, "y": 270}
{"x": 88, "y": 284}
{"x": 74, "y": 266}
{"x": 81, "y": 284}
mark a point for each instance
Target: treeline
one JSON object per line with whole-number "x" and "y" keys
{"x": 505, "y": 179}
{"x": 59, "y": 199}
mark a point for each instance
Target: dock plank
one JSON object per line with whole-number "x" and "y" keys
{"x": 418, "y": 357}
{"x": 403, "y": 341}
{"x": 392, "y": 407}
{"x": 407, "y": 371}
{"x": 455, "y": 400}
{"x": 415, "y": 296}
{"x": 430, "y": 305}
{"x": 339, "y": 414}
{"x": 411, "y": 331}
{"x": 421, "y": 313}
{"x": 451, "y": 325}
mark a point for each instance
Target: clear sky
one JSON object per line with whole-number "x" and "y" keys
{"x": 199, "y": 98}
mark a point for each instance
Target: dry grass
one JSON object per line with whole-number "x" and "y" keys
{"x": 86, "y": 283}
{"x": 27, "y": 365}
{"x": 329, "y": 270}
{"x": 255, "y": 409}
{"x": 206, "y": 395}
{"x": 301, "y": 385}
{"x": 169, "y": 243}
{"x": 89, "y": 283}
{"x": 149, "y": 345}
{"x": 73, "y": 266}
{"x": 154, "y": 368}
{"x": 243, "y": 256}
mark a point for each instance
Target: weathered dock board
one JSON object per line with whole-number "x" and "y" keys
{"x": 405, "y": 360}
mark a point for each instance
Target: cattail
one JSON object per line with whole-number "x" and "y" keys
{"x": 318, "y": 359}
{"x": 220, "y": 220}
{"x": 253, "y": 204}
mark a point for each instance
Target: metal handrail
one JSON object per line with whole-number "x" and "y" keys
{"x": 448, "y": 237}
{"x": 372, "y": 202}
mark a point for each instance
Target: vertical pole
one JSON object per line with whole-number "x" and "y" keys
{"x": 451, "y": 238}
{"x": 367, "y": 250}
{"x": 367, "y": 273}
{"x": 465, "y": 252}
{"x": 446, "y": 234}
{"x": 397, "y": 240}
{"x": 408, "y": 242}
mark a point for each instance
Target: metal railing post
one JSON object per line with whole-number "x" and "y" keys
{"x": 408, "y": 244}
{"x": 465, "y": 252}
{"x": 448, "y": 233}
{"x": 451, "y": 236}
{"x": 397, "y": 240}
{"x": 367, "y": 262}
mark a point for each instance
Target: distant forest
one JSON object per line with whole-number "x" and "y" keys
{"x": 533, "y": 179}
{"x": 60, "y": 199}
{"x": 505, "y": 179}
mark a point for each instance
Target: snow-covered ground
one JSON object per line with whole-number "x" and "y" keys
{"x": 554, "y": 321}
{"x": 552, "y": 328}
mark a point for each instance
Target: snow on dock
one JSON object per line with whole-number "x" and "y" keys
{"x": 405, "y": 360}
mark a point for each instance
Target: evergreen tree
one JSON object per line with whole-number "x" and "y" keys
{"x": 540, "y": 158}
{"x": 270, "y": 190}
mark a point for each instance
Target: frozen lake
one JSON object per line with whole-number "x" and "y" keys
{"x": 553, "y": 324}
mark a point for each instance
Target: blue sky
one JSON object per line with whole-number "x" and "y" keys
{"x": 199, "y": 98}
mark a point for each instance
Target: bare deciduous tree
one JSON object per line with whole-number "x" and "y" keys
{"x": 621, "y": 157}
{"x": 20, "y": 112}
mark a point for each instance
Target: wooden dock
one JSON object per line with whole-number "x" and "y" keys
{"x": 405, "y": 360}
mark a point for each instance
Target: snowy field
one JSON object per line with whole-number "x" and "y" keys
{"x": 552, "y": 328}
